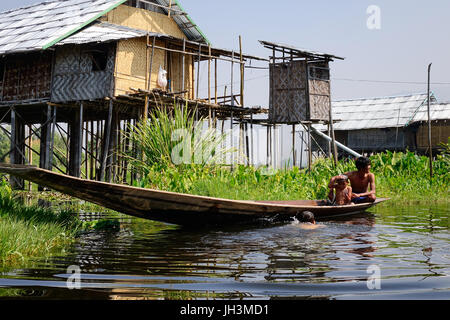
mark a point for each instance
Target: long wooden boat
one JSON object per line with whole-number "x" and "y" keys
{"x": 176, "y": 208}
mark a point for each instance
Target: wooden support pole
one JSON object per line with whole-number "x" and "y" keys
{"x": 293, "y": 146}
{"x": 106, "y": 139}
{"x": 252, "y": 162}
{"x": 247, "y": 147}
{"x": 30, "y": 153}
{"x": 430, "y": 146}
{"x": 97, "y": 150}
{"x": 50, "y": 158}
{"x": 45, "y": 139}
{"x": 86, "y": 157}
{"x": 17, "y": 147}
{"x": 268, "y": 146}
{"x": 111, "y": 162}
{"x": 215, "y": 81}
{"x": 198, "y": 70}
{"x": 91, "y": 159}
{"x": 232, "y": 79}
{"x": 209, "y": 86}
{"x": 183, "y": 67}
{"x": 45, "y": 142}
{"x": 309, "y": 148}
{"x": 242, "y": 71}
{"x": 76, "y": 142}
{"x": 302, "y": 149}
{"x": 170, "y": 8}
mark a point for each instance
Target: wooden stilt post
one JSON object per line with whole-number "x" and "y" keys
{"x": 111, "y": 161}
{"x": 268, "y": 145}
{"x": 183, "y": 69}
{"x": 430, "y": 146}
{"x": 293, "y": 146}
{"x": 86, "y": 154}
{"x": 247, "y": 147}
{"x": 30, "y": 153}
{"x": 242, "y": 71}
{"x": 76, "y": 142}
{"x": 252, "y": 155}
{"x": 106, "y": 139}
{"x": 17, "y": 148}
{"x": 215, "y": 81}
{"x": 198, "y": 70}
{"x": 309, "y": 148}
{"x": 209, "y": 85}
{"x": 52, "y": 143}
{"x": 46, "y": 140}
{"x": 91, "y": 164}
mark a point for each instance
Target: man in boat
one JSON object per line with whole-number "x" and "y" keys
{"x": 361, "y": 181}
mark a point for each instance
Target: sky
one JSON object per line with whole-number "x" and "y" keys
{"x": 388, "y": 60}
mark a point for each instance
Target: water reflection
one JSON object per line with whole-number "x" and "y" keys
{"x": 156, "y": 261}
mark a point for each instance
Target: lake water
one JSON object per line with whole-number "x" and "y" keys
{"x": 407, "y": 246}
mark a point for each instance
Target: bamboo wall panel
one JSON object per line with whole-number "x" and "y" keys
{"x": 377, "y": 139}
{"x": 440, "y": 132}
{"x": 288, "y": 92}
{"x": 144, "y": 20}
{"x": 27, "y": 77}
{"x": 75, "y": 77}
{"x": 319, "y": 105}
{"x": 319, "y": 87}
{"x": 131, "y": 63}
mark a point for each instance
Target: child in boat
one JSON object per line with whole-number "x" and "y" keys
{"x": 340, "y": 191}
{"x": 307, "y": 221}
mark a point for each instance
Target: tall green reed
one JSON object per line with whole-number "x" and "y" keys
{"x": 172, "y": 137}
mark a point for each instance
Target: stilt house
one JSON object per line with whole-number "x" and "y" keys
{"x": 88, "y": 68}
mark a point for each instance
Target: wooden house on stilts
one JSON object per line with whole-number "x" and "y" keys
{"x": 85, "y": 69}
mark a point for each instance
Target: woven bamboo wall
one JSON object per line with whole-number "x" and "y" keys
{"x": 377, "y": 139}
{"x": 131, "y": 63}
{"x": 132, "y": 59}
{"x": 440, "y": 132}
{"x": 26, "y": 77}
{"x": 288, "y": 101}
{"x": 144, "y": 20}
{"x": 319, "y": 99}
{"x": 74, "y": 77}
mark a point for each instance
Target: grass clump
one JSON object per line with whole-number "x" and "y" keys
{"x": 26, "y": 232}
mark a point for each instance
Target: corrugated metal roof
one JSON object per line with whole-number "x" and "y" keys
{"x": 438, "y": 111}
{"x": 45, "y": 24}
{"x": 387, "y": 112}
{"x": 104, "y": 32}
{"x": 39, "y": 26}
